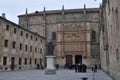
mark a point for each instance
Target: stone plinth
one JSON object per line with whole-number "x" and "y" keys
{"x": 50, "y": 69}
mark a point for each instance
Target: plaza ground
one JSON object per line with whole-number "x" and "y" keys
{"x": 61, "y": 74}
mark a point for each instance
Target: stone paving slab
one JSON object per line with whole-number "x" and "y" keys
{"x": 61, "y": 74}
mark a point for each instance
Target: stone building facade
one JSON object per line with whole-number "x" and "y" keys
{"x": 109, "y": 38}
{"x": 76, "y": 33}
{"x": 19, "y": 47}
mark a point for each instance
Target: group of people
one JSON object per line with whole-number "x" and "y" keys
{"x": 80, "y": 68}
{"x": 94, "y": 68}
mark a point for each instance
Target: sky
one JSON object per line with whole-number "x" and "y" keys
{"x": 13, "y": 8}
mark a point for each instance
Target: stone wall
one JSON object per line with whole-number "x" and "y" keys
{"x": 23, "y": 49}
{"x": 109, "y": 39}
{"x": 65, "y": 23}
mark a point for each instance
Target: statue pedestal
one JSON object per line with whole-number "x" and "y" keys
{"x": 50, "y": 69}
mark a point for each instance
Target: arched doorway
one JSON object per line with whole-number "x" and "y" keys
{"x": 69, "y": 60}
{"x": 78, "y": 59}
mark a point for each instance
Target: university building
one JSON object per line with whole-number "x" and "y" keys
{"x": 19, "y": 47}
{"x": 75, "y": 31}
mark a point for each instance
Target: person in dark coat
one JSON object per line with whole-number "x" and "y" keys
{"x": 95, "y": 68}
{"x": 57, "y": 66}
{"x": 84, "y": 67}
{"x": 76, "y": 67}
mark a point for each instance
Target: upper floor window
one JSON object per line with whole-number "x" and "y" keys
{"x": 53, "y": 36}
{"x": 6, "y": 43}
{"x": 30, "y": 48}
{"x": 15, "y": 30}
{"x": 26, "y": 47}
{"x": 7, "y": 27}
{"x": 26, "y": 35}
{"x": 20, "y": 46}
{"x": 41, "y": 50}
{"x": 14, "y": 43}
{"x": 21, "y": 33}
{"x": 36, "y": 49}
{"x": 93, "y": 35}
{"x": 36, "y": 38}
{"x": 31, "y": 37}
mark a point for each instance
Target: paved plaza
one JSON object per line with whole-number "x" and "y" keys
{"x": 61, "y": 74}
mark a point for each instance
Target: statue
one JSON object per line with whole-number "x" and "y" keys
{"x": 50, "y": 48}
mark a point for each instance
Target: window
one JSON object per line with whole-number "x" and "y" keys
{"x": 30, "y": 48}
{"x": 7, "y": 27}
{"x": 6, "y": 43}
{"x": 26, "y": 35}
{"x": 4, "y": 60}
{"x": 20, "y": 61}
{"x": 20, "y": 46}
{"x": 36, "y": 49}
{"x": 15, "y": 30}
{"x": 41, "y": 50}
{"x": 36, "y": 38}
{"x": 30, "y": 61}
{"x": 21, "y": 33}
{"x": 25, "y": 61}
{"x": 53, "y": 36}
{"x": 25, "y": 47}
{"x": 35, "y": 61}
{"x": 13, "y": 46}
{"x": 31, "y": 37}
{"x": 93, "y": 35}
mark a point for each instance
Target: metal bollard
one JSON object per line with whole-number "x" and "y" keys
{"x": 84, "y": 78}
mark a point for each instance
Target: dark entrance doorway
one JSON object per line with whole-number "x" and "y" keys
{"x": 78, "y": 59}
{"x": 69, "y": 59}
{"x": 12, "y": 63}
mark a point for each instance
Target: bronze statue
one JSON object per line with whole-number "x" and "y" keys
{"x": 50, "y": 48}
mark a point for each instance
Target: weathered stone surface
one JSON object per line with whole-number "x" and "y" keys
{"x": 30, "y": 48}
{"x": 73, "y": 29}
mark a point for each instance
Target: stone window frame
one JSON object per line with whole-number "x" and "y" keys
{"x": 30, "y": 48}
{"x": 36, "y": 38}
{"x": 7, "y": 27}
{"x": 40, "y": 50}
{"x": 31, "y": 37}
{"x": 25, "y": 61}
{"x": 4, "y": 60}
{"x": 93, "y": 35}
{"x": 35, "y": 49}
{"x": 26, "y": 48}
{"x": 30, "y": 61}
{"x": 21, "y": 33}
{"x": 14, "y": 45}
{"x": 20, "y": 61}
{"x": 27, "y": 35}
{"x": 15, "y": 30}
{"x": 53, "y": 35}
{"x": 6, "y": 43}
{"x": 20, "y": 47}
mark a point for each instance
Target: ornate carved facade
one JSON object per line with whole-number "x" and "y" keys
{"x": 73, "y": 29}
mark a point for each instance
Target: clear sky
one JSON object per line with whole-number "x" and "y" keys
{"x": 13, "y": 8}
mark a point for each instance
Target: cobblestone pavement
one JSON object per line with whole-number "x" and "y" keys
{"x": 61, "y": 74}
